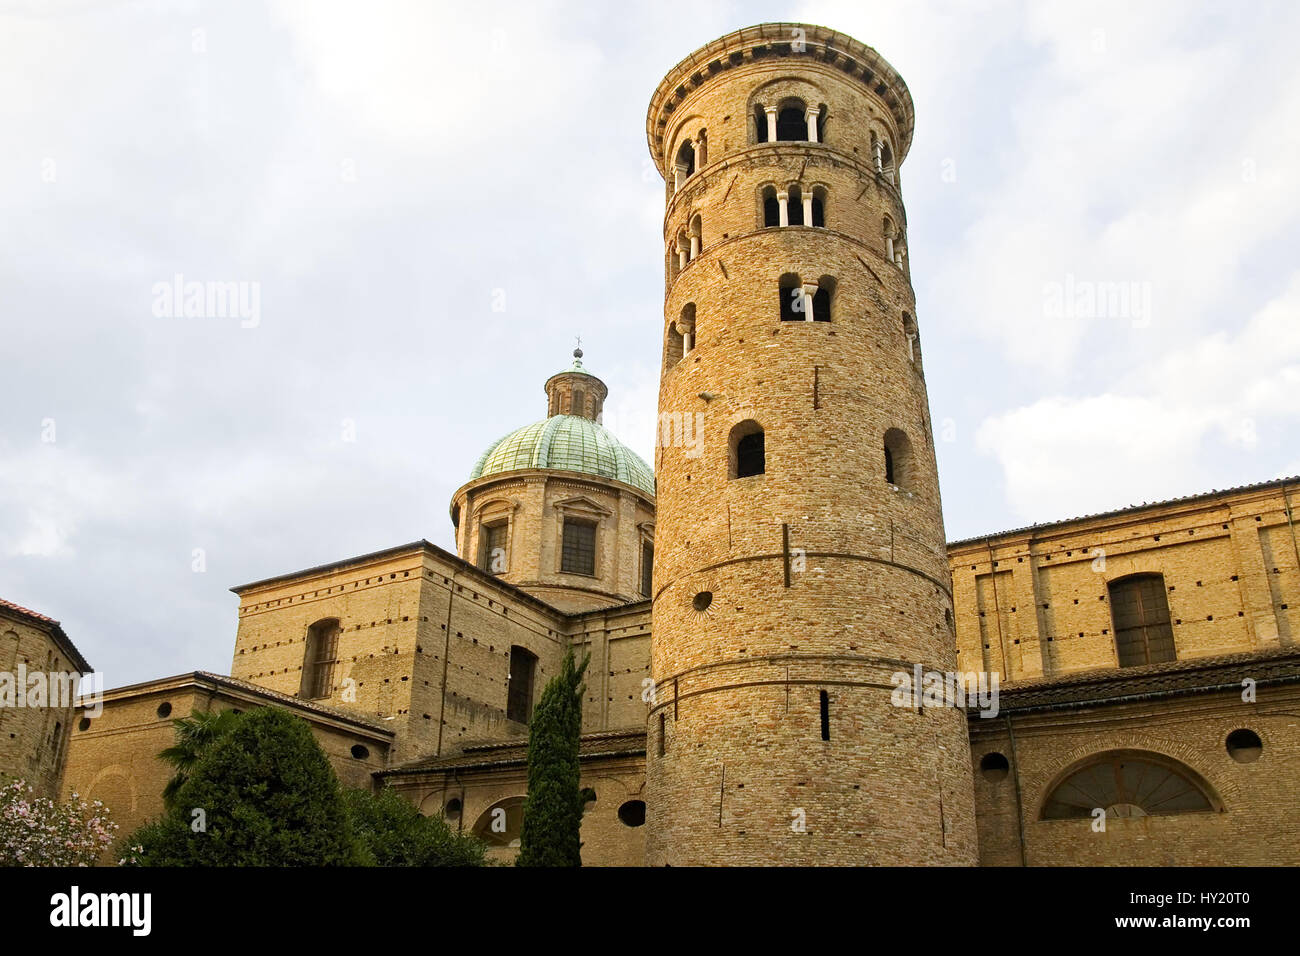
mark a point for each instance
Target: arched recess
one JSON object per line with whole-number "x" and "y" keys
{"x": 1128, "y": 783}
{"x": 746, "y": 450}
{"x": 898, "y": 459}
{"x": 503, "y": 828}
{"x": 320, "y": 657}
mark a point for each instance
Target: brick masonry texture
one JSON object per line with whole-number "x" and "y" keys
{"x": 745, "y": 775}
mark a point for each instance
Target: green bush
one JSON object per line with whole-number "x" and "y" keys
{"x": 392, "y": 832}
{"x": 262, "y": 794}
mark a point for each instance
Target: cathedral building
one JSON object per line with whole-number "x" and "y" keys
{"x": 751, "y": 606}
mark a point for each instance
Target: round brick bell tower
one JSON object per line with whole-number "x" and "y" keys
{"x": 800, "y": 559}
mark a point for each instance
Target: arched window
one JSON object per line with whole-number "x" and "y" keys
{"x": 913, "y": 339}
{"x": 771, "y": 207}
{"x": 792, "y": 122}
{"x": 1140, "y": 612}
{"x": 792, "y": 298}
{"x": 1129, "y": 783}
{"x": 886, "y": 164}
{"x": 647, "y": 568}
{"x": 760, "y": 124}
{"x": 823, "y": 298}
{"x": 701, "y": 149}
{"x": 747, "y": 456}
{"x": 685, "y": 164}
{"x": 818, "y": 207}
{"x": 519, "y": 691}
{"x": 674, "y": 348}
{"x": 898, "y": 458}
{"x": 686, "y": 327}
{"x": 696, "y": 236}
{"x": 319, "y": 659}
{"x": 796, "y": 206}
{"x": 578, "y": 402}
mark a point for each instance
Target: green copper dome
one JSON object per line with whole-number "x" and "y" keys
{"x": 566, "y": 443}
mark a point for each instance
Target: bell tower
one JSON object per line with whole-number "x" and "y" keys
{"x": 800, "y": 558}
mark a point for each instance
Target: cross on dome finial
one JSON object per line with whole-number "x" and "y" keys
{"x": 577, "y": 353}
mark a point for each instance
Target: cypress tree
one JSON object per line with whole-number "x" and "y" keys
{"x": 553, "y": 810}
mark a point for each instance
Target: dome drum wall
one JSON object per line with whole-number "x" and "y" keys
{"x": 826, "y": 571}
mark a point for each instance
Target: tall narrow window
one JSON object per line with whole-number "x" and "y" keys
{"x": 819, "y": 208}
{"x": 493, "y": 557}
{"x": 898, "y": 459}
{"x": 791, "y": 291}
{"x": 663, "y": 732}
{"x": 796, "y": 206}
{"x": 826, "y": 715}
{"x": 760, "y": 124}
{"x": 771, "y": 208}
{"x": 519, "y": 694}
{"x": 821, "y": 302}
{"x": 578, "y": 550}
{"x": 647, "y": 568}
{"x": 319, "y": 659}
{"x": 1140, "y": 609}
{"x": 686, "y": 158}
{"x": 577, "y": 406}
{"x": 748, "y": 456}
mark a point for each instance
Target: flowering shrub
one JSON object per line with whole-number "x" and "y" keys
{"x": 36, "y": 831}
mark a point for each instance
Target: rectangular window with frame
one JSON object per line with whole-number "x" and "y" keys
{"x": 578, "y": 549}
{"x": 493, "y": 557}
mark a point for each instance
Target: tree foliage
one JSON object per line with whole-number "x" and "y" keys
{"x": 553, "y": 810}
{"x": 393, "y": 832}
{"x": 261, "y": 794}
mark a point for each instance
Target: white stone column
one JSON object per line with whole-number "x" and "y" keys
{"x": 783, "y": 202}
{"x": 807, "y": 210}
{"x": 771, "y": 123}
{"x": 679, "y": 176}
{"x": 809, "y": 290}
{"x": 911, "y": 348}
{"x": 898, "y": 258}
{"x": 878, "y": 149}
{"x": 682, "y": 258}
{"x": 701, "y": 152}
{"x": 695, "y": 246}
{"x": 889, "y": 248}
{"x": 810, "y": 117}
{"x": 688, "y": 342}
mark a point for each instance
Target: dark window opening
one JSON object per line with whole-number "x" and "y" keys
{"x": 760, "y": 124}
{"x": 663, "y": 730}
{"x": 1143, "y": 634}
{"x": 750, "y": 456}
{"x": 791, "y": 126}
{"x": 578, "y": 550}
{"x": 791, "y": 299}
{"x": 647, "y": 568}
{"x": 702, "y": 601}
{"x": 686, "y": 158}
{"x": 519, "y": 693}
{"x": 771, "y": 212}
{"x": 994, "y": 767}
{"x": 821, "y": 305}
{"x": 632, "y": 813}
{"x": 360, "y": 752}
{"x": 818, "y": 214}
{"x": 826, "y": 715}
{"x": 794, "y": 209}
{"x": 889, "y": 465}
{"x": 1244, "y": 746}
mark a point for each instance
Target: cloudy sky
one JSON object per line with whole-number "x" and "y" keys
{"x": 384, "y": 174}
